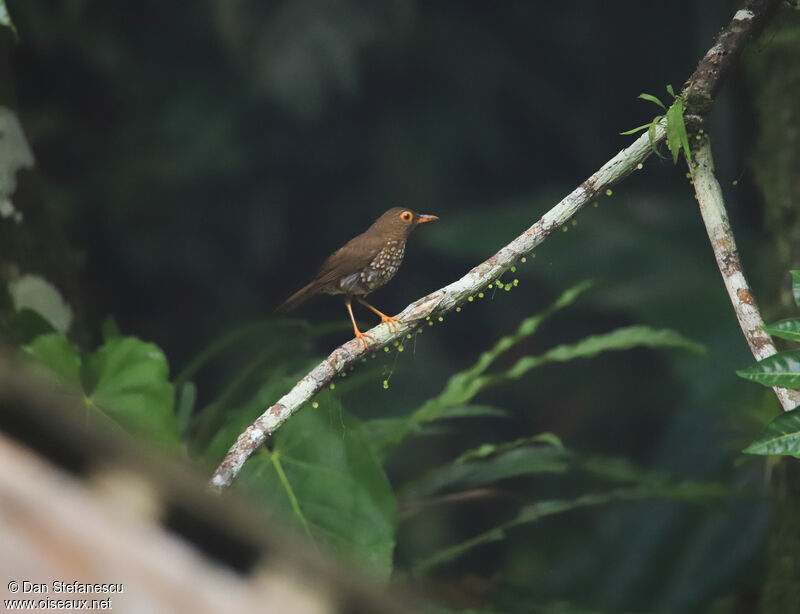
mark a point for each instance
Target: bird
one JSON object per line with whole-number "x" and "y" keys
{"x": 364, "y": 264}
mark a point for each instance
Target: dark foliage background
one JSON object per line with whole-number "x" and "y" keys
{"x": 198, "y": 160}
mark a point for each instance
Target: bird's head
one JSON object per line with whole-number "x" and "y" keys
{"x": 398, "y": 222}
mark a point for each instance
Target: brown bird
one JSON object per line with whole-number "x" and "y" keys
{"x": 364, "y": 264}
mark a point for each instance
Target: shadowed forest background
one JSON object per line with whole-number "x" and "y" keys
{"x": 197, "y": 161}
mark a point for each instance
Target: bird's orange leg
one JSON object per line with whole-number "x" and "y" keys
{"x": 388, "y": 320}
{"x": 359, "y": 335}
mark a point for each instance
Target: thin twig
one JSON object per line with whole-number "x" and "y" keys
{"x": 705, "y": 82}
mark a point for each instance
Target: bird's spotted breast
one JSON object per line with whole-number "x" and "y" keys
{"x": 384, "y": 266}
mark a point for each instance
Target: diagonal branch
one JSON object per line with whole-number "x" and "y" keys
{"x": 714, "y": 65}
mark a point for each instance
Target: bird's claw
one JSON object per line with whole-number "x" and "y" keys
{"x": 362, "y": 337}
{"x": 390, "y": 322}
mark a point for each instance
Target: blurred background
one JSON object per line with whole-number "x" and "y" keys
{"x": 196, "y": 162}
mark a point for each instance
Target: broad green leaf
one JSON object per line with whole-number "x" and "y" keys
{"x": 676, "y": 132}
{"x": 796, "y": 286}
{"x": 781, "y": 436}
{"x": 654, "y": 99}
{"x": 635, "y": 130}
{"x": 54, "y": 352}
{"x": 786, "y": 329}
{"x": 322, "y": 476}
{"x": 782, "y": 369}
{"x": 128, "y": 380}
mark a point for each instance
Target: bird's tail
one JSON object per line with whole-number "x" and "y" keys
{"x": 298, "y": 298}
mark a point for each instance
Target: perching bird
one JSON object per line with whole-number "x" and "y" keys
{"x": 364, "y": 264}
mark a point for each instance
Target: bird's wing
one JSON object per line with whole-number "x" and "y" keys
{"x": 350, "y": 258}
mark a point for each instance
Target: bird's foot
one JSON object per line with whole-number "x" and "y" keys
{"x": 362, "y": 337}
{"x": 390, "y": 322}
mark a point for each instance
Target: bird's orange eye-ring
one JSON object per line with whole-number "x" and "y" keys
{"x": 406, "y": 216}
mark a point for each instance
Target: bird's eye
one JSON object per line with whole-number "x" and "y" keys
{"x": 406, "y": 216}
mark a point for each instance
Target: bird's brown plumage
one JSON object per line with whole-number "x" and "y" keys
{"x": 364, "y": 263}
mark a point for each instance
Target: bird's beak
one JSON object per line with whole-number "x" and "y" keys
{"x": 427, "y": 218}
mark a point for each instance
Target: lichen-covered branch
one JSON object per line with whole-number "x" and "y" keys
{"x": 700, "y": 91}
{"x": 701, "y": 87}
{"x": 715, "y": 217}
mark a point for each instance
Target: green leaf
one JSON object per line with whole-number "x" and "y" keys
{"x": 127, "y": 379}
{"x": 654, "y": 99}
{"x": 637, "y": 129}
{"x": 796, "y": 286}
{"x": 670, "y": 91}
{"x": 781, "y": 436}
{"x": 651, "y": 134}
{"x": 785, "y": 329}
{"x": 322, "y": 476}
{"x": 782, "y": 369}
{"x": 54, "y": 352}
{"x": 676, "y": 132}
